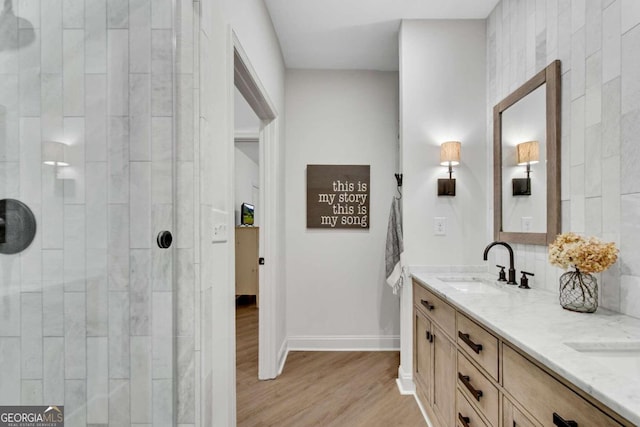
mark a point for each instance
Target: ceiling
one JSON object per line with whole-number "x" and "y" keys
{"x": 356, "y": 34}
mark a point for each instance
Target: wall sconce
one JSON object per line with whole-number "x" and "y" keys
{"x": 528, "y": 153}
{"x": 53, "y": 153}
{"x": 449, "y": 156}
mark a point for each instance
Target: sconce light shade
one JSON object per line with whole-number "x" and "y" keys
{"x": 450, "y": 153}
{"x": 53, "y": 153}
{"x": 449, "y": 156}
{"x": 528, "y": 153}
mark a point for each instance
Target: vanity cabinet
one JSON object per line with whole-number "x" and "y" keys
{"x": 466, "y": 415}
{"x": 514, "y": 418}
{"x": 544, "y": 397}
{"x": 468, "y": 376}
{"x": 434, "y": 360}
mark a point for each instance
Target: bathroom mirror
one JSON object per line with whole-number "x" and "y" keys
{"x": 526, "y": 153}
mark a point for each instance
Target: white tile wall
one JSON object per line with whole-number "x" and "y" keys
{"x": 95, "y": 117}
{"x": 75, "y": 392}
{"x": 119, "y": 402}
{"x": 53, "y": 372}
{"x": 97, "y": 293}
{"x": 97, "y": 380}
{"x": 31, "y": 392}
{"x": 51, "y": 30}
{"x": 140, "y": 303}
{"x": 141, "y": 386}
{"x": 75, "y": 336}
{"x": 119, "y": 351}
{"x": 140, "y": 119}
{"x": 95, "y": 37}
{"x": 10, "y": 378}
{"x": 31, "y": 336}
{"x": 599, "y": 46}
{"x": 140, "y": 40}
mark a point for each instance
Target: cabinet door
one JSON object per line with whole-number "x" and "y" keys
{"x": 422, "y": 355}
{"x": 514, "y": 418}
{"x": 247, "y": 261}
{"x": 444, "y": 376}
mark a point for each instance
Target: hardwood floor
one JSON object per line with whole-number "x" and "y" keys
{"x": 319, "y": 388}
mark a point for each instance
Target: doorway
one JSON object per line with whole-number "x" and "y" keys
{"x": 248, "y": 85}
{"x": 247, "y": 226}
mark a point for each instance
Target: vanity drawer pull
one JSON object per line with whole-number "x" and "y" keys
{"x": 429, "y": 336}
{"x": 427, "y": 304}
{"x": 561, "y": 422}
{"x": 463, "y": 420}
{"x": 475, "y": 347}
{"x": 466, "y": 381}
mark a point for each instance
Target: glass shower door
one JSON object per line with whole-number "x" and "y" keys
{"x": 87, "y": 143}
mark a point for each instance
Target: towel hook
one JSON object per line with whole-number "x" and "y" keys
{"x": 399, "y": 182}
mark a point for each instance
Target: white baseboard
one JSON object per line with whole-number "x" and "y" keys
{"x": 282, "y": 356}
{"x": 424, "y": 413}
{"x": 405, "y": 382}
{"x": 344, "y": 343}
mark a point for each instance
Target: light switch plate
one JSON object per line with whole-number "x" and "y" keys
{"x": 440, "y": 226}
{"x": 220, "y": 229}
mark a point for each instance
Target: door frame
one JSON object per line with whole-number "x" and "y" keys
{"x": 247, "y": 82}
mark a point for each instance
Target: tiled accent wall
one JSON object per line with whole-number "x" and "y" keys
{"x": 187, "y": 342}
{"x": 598, "y": 43}
{"x": 93, "y": 313}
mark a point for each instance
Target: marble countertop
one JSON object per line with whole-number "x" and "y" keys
{"x": 534, "y": 321}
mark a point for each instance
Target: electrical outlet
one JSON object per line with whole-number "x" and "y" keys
{"x": 440, "y": 226}
{"x": 526, "y": 223}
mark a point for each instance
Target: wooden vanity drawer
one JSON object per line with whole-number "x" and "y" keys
{"x": 478, "y": 344}
{"x": 478, "y": 389}
{"x": 466, "y": 416}
{"x": 512, "y": 417}
{"x": 435, "y": 308}
{"x": 543, "y": 396}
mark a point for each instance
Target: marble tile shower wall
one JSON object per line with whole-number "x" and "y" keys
{"x": 90, "y": 316}
{"x": 598, "y": 43}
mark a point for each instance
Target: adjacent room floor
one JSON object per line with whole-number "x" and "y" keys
{"x": 319, "y": 388}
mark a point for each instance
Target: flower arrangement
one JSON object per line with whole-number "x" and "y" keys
{"x": 585, "y": 254}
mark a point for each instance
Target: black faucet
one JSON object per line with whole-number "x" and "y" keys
{"x": 512, "y": 270}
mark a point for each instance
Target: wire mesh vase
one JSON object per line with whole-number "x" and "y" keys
{"x": 579, "y": 292}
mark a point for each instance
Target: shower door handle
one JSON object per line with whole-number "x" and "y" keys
{"x": 164, "y": 239}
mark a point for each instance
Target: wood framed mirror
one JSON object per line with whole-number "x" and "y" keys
{"x": 526, "y": 197}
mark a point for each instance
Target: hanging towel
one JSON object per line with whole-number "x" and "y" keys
{"x": 395, "y": 248}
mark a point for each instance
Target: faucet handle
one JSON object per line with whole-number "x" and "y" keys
{"x": 502, "y": 277}
{"x": 524, "y": 280}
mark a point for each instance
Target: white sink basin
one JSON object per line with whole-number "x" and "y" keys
{"x": 626, "y": 354}
{"x": 470, "y": 285}
{"x": 608, "y": 349}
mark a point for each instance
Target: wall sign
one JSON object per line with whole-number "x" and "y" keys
{"x": 338, "y": 196}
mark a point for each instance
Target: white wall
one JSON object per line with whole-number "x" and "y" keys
{"x": 246, "y": 177}
{"x": 442, "y": 95}
{"x": 252, "y": 24}
{"x": 214, "y": 180}
{"x": 442, "y": 77}
{"x": 336, "y": 291}
{"x": 598, "y": 44}
{"x": 246, "y": 122}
